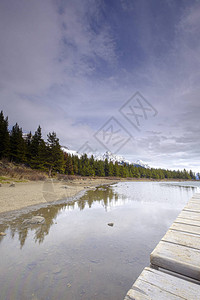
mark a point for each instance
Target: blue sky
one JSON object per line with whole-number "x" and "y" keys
{"x": 71, "y": 65}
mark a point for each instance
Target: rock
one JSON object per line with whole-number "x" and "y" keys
{"x": 32, "y": 265}
{"x": 34, "y": 220}
{"x": 57, "y": 270}
{"x": 12, "y": 184}
{"x": 111, "y": 224}
{"x": 2, "y": 233}
{"x": 94, "y": 261}
{"x": 0, "y": 185}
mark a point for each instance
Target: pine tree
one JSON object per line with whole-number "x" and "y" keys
{"x": 69, "y": 168}
{"x": 191, "y": 174}
{"x": 110, "y": 169}
{"x": 99, "y": 168}
{"x": 106, "y": 167}
{"x": 42, "y": 156}
{"x": 34, "y": 148}
{"x": 28, "y": 146}
{"x": 4, "y": 137}
{"x": 17, "y": 145}
{"x": 55, "y": 159}
{"x": 116, "y": 170}
{"x": 75, "y": 164}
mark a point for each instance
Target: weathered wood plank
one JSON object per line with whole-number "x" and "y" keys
{"x": 191, "y": 210}
{"x": 194, "y": 202}
{"x": 154, "y": 284}
{"x": 136, "y": 295}
{"x": 186, "y": 228}
{"x": 182, "y": 238}
{"x": 195, "y": 198}
{"x": 176, "y": 258}
{"x": 189, "y": 215}
{"x": 192, "y": 206}
{"x": 196, "y": 195}
{"x": 187, "y": 221}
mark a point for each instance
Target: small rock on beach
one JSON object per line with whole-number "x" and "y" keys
{"x": 2, "y": 233}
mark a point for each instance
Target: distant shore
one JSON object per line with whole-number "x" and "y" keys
{"x": 24, "y": 194}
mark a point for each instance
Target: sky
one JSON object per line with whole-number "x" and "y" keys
{"x": 117, "y": 75}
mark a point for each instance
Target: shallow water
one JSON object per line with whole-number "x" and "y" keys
{"x": 76, "y": 255}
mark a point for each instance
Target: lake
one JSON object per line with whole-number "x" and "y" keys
{"x": 76, "y": 255}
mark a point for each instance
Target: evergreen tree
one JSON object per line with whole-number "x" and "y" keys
{"x": 89, "y": 171}
{"x": 28, "y": 146}
{"x": 110, "y": 169}
{"x": 99, "y": 168}
{"x": 55, "y": 159}
{"x": 17, "y": 145}
{"x": 4, "y": 137}
{"x": 34, "y": 148}
{"x": 116, "y": 170}
{"x": 106, "y": 167}
{"x": 42, "y": 156}
{"x": 191, "y": 174}
{"x": 69, "y": 168}
{"x": 91, "y": 160}
{"x": 75, "y": 164}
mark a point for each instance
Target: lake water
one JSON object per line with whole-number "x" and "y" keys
{"x": 76, "y": 255}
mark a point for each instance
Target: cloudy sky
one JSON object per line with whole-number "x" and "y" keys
{"x": 118, "y": 75}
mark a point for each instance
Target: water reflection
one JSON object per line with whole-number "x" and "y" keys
{"x": 164, "y": 192}
{"x": 103, "y": 194}
{"x": 76, "y": 255}
{"x": 16, "y": 226}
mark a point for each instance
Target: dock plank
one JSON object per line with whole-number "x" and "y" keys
{"x": 155, "y": 284}
{"x": 177, "y": 258}
{"x": 194, "y": 200}
{"x": 189, "y": 215}
{"x": 197, "y": 195}
{"x": 186, "y": 228}
{"x": 192, "y": 205}
{"x": 187, "y": 221}
{"x": 182, "y": 238}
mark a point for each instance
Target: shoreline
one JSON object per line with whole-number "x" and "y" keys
{"x": 27, "y": 195}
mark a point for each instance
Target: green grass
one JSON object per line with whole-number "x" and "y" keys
{"x": 4, "y": 179}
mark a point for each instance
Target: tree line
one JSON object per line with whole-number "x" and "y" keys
{"x": 33, "y": 151}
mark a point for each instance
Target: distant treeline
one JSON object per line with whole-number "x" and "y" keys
{"x": 47, "y": 156}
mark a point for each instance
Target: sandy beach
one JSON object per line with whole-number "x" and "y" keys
{"x": 25, "y": 194}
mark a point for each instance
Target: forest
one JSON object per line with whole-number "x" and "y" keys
{"x": 34, "y": 152}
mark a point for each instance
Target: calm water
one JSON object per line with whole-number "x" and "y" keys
{"x": 76, "y": 255}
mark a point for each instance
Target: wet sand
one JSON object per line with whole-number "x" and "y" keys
{"x": 27, "y": 194}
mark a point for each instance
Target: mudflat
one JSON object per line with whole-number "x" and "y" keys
{"x": 23, "y": 194}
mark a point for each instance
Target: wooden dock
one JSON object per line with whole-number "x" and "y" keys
{"x": 175, "y": 262}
